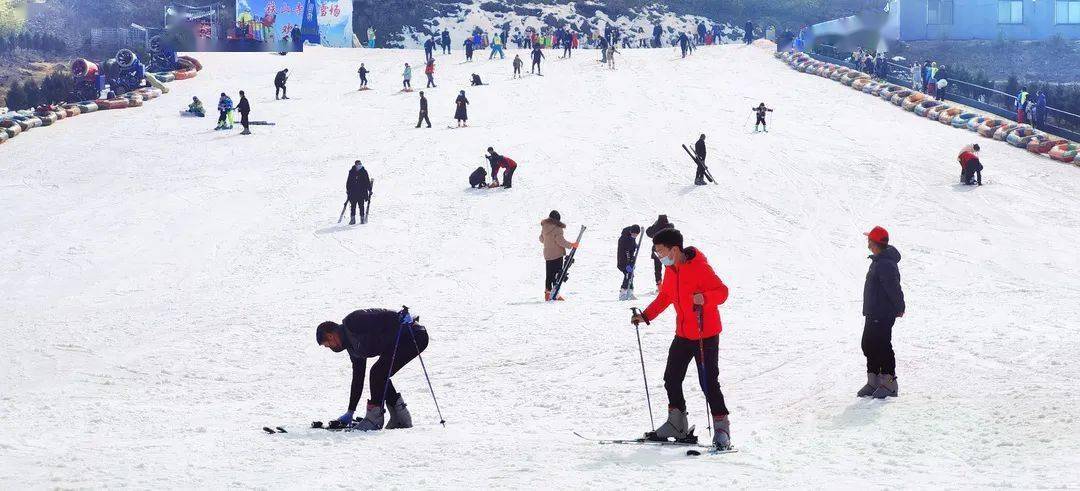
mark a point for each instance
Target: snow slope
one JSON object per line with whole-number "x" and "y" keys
{"x": 161, "y": 282}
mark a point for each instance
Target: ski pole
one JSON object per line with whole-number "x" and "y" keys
{"x": 412, "y": 334}
{"x": 648, "y": 398}
{"x": 701, "y": 373}
{"x": 390, "y": 369}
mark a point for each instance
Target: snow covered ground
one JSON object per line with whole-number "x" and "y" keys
{"x": 161, "y": 281}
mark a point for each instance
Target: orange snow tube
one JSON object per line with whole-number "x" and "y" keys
{"x": 898, "y": 97}
{"x": 913, "y": 100}
{"x": 1042, "y": 143}
{"x": 1065, "y": 152}
{"x": 1021, "y": 136}
{"x": 988, "y": 127}
{"x": 185, "y": 74}
{"x": 103, "y": 104}
{"x": 935, "y": 112}
{"x": 194, "y": 63}
{"x": 861, "y": 83}
{"x": 947, "y": 116}
{"x": 1006, "y": 129}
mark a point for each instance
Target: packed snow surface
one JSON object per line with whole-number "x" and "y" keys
{"x": 161, "y": 282}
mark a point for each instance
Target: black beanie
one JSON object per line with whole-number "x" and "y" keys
{"x": 554, "y": 215}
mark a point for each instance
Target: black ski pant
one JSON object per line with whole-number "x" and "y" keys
{"x": 760, "y": 120}
{"x": 406, "y": 84}
{"x": 700, "y": 176}
{"x": 973, "y": 170}
{"x": 428, "y": 54}
{"x": 566, "y": 51}
{"x": 553, "y": 267}
{"x": 658, "y": 268}
{"x": 625, "y": 278}
{"x": 222, "y": 115}
{"x": 279, "y": 90}
{"x": 508, "y": 177}
{"x": 363, "y": 80}
{"x": 681, "y": 352}
{"x": 517, "y": 71}
{"x": 535, "y": 66}
{"x": 381, "y": 370}
{"x": 244, "y": 121}
{"x": 877, "y": 345}
{"x": 354, "y": 202}
{"x": 430, "y": 80}
{"x": 423, "y": 119}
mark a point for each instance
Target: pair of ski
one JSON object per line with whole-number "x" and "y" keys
{"x": 569, "y": 261}
{"x": 693, "y": 448}
{"x": 365, "y": 211}
{"x": 701, "y": 164}
{"x": 331, "y": 426}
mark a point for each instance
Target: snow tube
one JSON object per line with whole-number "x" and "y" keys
{"x": 194, "y": 63}
{"x": 133, "y": 100}
{"x": 839, "y": 73}
{"x": 935, "y": 112}
{"x": 13, "y": 131}
{"x": 925, "y": 106}
{"x": 887, "y": 90}
{"x": 851, "y": 76}
{"x": 913, "y": 100}
{"x": 961, "y": 120}
{"x": 898, "y": 97}
{"x": 148, "y": 93}
{"x": 60, "y": 114}
{"x": 1005, "y": 130}
{"x": 803, "y": 66}
{"x": 88, "y": 107}
{"x": 48, "y": 119}
{"x": 1021, "y": 136}
{"x": 3, "y": 137}
{"x": 872, "y": 88}
{"x": 72, "y": 109}
{"x": 104, "y": 104}
{"x": 989, "y": 126}
{"x": 861, "y": 83}
{"x": 1043, "y": 143}
{"x": 28, "y": 123}
{"x": 946, "y": 116}
{"x": 973, "y": 124}
{"x": 1065, "y": 152}
{"x": 155, "y": 83}
{"x": 185, "y": 74}
{"x": 164, "y": 77}
{"x": 827, "y": 70}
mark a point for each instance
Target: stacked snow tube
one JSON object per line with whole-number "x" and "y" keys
{"x": 851, "y": 76}
{"x": 887, "y": 90}
{"x": 185, "y": 74}
{"x": 861, "y": 83}
{"x": 1065, "y": 152}
{"x": 118, "y": 103}
{"x": 898, "y": 97}
{"x": 192, "y": 61}
{"x": 1021, "y": 136}
{"x": 913, "y": 100}
{"x": 872, "y": 88}
{"x": 148, "y": 93}
{"x": 973, "y": 124}
{"x": 10, "y": 128}
{"x": 1043, "y": 143}
{"x": 839, "y": 73}
{"x": 925, "y": 106}
{"x": 947, "y": 116}
{"x": 961, "y": 120}
{"x": 165, "y": 77}
{"x": 1006, "y": 129}
{"x": 88, "y": 106}
{"x": 807, "y": 65}
{"x": 71, "y": 110}
{"x": 989, "y": 126}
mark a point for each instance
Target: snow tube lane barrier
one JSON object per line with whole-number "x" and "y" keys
{"x": 861, "y": 83}
{"x": 849, "y": 78}
{"x": 1043, "y": 143}
{"x": 1021, "y": 136}
{"x": 973, "y": 124}
{"x": 947, "y": 116}
{"x": 1006, "y": 129}
{"x": 925, "y": 106}
{"x": 872, "y": 88}
{"x": 961, "y": 120}
{"x": 888, "y": 90}
{"x": 165, "y": 77}
{"x": 185, "y": 74}
{"x": 839, "y": 73}
{"x": 104, "y": 104}
{"x": 989, "y": 127}
{"x": 913, "y": 100}
{"x": 1065, "y": 152}
{"x": 897, "y": 99}
{"x": 88, "y": 107}
{"x": 192, "y": 61}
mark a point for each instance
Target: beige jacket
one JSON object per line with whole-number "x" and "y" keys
{"x": 551, "y": 235}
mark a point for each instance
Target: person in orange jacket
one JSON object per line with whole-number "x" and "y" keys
{"x": 697, "y": 293}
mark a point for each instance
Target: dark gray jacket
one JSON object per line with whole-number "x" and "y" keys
{"x": 882, "y": 296}
{"x": 369, "y": 332}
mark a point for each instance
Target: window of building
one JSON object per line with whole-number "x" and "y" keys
{"x": 1067, "y": 11}
{"x": 1010, "y": 11}
{"x": 940, "y": 12}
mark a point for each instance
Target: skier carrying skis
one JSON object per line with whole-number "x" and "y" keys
{"x": 224, "y": 107}
{"x": 555, "y": 246}
{"x": 761, "y": 110}
{"x": 970, "y": 166}
{"x": 362, "y": 71}
{"x": 697, "y": 293}
{"x": 517, "y": 66}
{"x": 423, "y": 111}
{"x": 358, "y": 191}
{"x": 244, "y": 108}
{"x": 537, "y": 55}
{"x": 699, "y": 151}
{"x": 661, "y": 223}
{"x": 396, "y": 339}
{"x": 883, "y": 302}
{"x": 279, "y": 84}
{"x": 625, "y": 259}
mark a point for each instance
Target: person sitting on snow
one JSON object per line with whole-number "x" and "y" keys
{"x": 196, "y": 107}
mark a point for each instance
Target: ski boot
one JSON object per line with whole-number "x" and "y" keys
{"x": 721, "y": 433}
{"x": 888, "y": 387}
{"x": 245, "y": 132}
{"x": 547, "y": 295}
{"x": 399, "y": 415}
{"x": 676, "y": 427}
{"x": 630, "y": 294}
{"x": 352, "y": 220}
{"x": 372, "y": 421}
{"x": 871, "y": 385}
{"x": 622, "y": 295}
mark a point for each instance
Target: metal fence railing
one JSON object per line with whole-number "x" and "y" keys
{"x": 1057, "y": 122}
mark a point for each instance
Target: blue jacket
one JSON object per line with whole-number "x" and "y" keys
{"x": 882, "y": 295}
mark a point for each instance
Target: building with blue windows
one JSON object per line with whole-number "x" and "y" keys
{"x": 1018, "y": 20}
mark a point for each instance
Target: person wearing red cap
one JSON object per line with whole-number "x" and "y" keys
{"x": 883, "y": 302}
{"x": 697, "y": 293}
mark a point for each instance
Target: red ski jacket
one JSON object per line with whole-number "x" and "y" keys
{"x": 506, "y": 163}
{"x": 680, "y": 284}
{"x": 966, "y": 158}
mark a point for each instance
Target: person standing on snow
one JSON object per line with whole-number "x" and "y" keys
{"x": 396, "y": 339}
{"x": 697, "y": 293}
{"x": 661, "y": 223}
{"x": 358, "y": 191}
{"x": 279, "y": 84}
{"x": 684, "y": 43}
{"x": 461, "y": 113}
{"x": 748, "y": 32}
{"x": 537, "y": 55}
{"x": 406, "y": 83}
{"x": 244, "y": 108}
{"x": 468, "y": 49}
{"x": 625, "y": 258}
{"x": 429, "y": 70}
{"x": 761, "y": 110}
{"x": 699, "y": 150}
{"x": 611, "y": 56}
{"x": 423, "y": 111}
{"x": 883, "y": 302}
{"x": 501, "y": 162}
{"x": 446, "y": 41}
{"x": 363, "y": 71}
{"x": 429, "y": 49}
{"x": 224, "y": 107}
{"x": 970, "y": 166}
{"x": 497, "y": 48}
{"x": 517, "y": 66}
{"x": 555, "y": 245}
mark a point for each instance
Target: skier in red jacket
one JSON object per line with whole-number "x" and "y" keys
{"x": 970, "y": 166}
{"x": 697, "y": 293}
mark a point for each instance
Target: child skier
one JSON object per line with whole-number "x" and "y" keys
{"x": 406, "y": 83}
{"x": 517, "y": 66}
{"x": 761, "y": 110}
{"x": 224, "y": 107}
{"x": 362, "y": 71}
{"x": 625, "y": 259}
{"x": 697, "y": 293}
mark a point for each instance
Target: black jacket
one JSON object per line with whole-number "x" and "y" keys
{"x": 661, "y": 223}
{"x": 423, "y": 104}
{"x": 358, "y": 185}
{"x": 280, "y": 78}
{"x": 243, "y": 106}
{"x": 699, "y": 149}
{"x": 537, "y": 55}
{"x": 627, "y": 245}
{"x": 882, "y": 296}
{"x": 366, "y": 334}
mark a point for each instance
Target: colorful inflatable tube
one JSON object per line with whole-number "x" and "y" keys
{"x": 1006, "y": 129}
{"x": 1021, "y": 136}
{"x": 913, "y": 100}
{"x": 1065, "y": 152}
{"x": 1043, "y": 143}
{"x": 947, "y": 116}
{"x": 925, "y": 106}
{"x": 961, "y": 120}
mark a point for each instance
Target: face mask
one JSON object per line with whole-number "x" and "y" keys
{"x": 667, "y": 261}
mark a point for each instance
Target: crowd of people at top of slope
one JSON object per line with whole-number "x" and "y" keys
{"x": 931, "y": 78}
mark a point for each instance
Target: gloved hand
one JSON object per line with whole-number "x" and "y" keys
{"x": 406, "y": 318}
{"x": 629, "y": 269}
{"x": 346, "y": 418}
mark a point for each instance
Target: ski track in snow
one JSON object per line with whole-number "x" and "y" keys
{"x": 161, "y": 283}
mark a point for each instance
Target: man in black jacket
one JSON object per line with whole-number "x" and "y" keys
{"x": 279, "y": 84}
{"x": 244, "y": 109}
{"x": 396, "y": 339}
{"x": 626, "y": 258}
{"x": 358, "y": 190}
{"x": 661, "y": 223}
{"x": 883, "y": 302}
{"x": 537, "y": 55}
{"x": 699, "y": 149}
{"x": 423, "y": 111}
